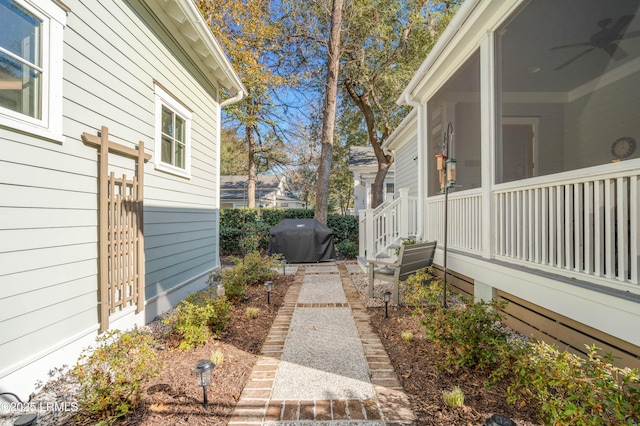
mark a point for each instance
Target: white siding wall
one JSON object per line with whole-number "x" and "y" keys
{"x": 48, "y": 201}
{"x": 406, "y": 167}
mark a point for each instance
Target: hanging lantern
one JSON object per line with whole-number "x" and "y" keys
{"x": 451, "y": 172}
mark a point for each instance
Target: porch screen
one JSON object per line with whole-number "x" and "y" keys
{"x": 568, "y": 87}
{"x": 458, "y": 103}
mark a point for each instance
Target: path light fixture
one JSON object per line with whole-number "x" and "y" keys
{"x": 284, "y": 266}
{"x": 269, "y": 286}
{"x": 499, "y": 420}
{"x": 386, "y": 296}
{"x": 24, "y": 420}
{"x": 203, "y": 371}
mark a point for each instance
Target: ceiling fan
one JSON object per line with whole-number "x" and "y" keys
{"x": 606, "y": 39}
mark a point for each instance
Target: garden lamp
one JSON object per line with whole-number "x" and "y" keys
{"x": 499, "y": 420}
{"x": 386, "y": 296}
{"x": 26, "y": 420}
{"x": 269, "y": 285}
{"x": 203, "y": 371}
{"x": 284, "y": 266}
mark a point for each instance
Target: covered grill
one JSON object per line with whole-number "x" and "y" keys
{"x": 302, "y": 240}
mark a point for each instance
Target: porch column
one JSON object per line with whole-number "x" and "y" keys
{"x": 488, "y": 140}
{"x": 404, "y": 212}
{"x": 370, "y": 235}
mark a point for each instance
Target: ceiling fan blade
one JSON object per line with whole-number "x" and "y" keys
{"x": 630, "y": 34}
{"x": 615, "y": 52}
{"x": 564, "y": 46}
{"x": 575, "y": 58}
{"x": 622, "y": 23}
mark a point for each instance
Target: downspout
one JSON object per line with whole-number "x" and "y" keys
{"x": 237, "y": 98}
{"x": 421, "y": 162}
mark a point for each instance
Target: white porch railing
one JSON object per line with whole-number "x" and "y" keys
{"x": 588, "y": 225}
{"x": 465, "y": 220}
{"x": 584, "y": 222}
{"x": 386, "y": 224}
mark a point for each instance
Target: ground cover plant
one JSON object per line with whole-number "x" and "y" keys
{"x": 111, "y": 376}
{"x": 497, "y": 372}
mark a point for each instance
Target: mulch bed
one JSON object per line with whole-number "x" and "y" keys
{"x": 416, "y": 364}
{"x": 173, "y": 398}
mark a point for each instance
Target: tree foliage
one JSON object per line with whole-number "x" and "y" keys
{"x": 384, "y": 43}
{"x": 251, "y": 34}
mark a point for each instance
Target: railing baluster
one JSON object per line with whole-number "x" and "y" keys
{"x": 588, "y": 227}
{"x": 622, "y": 225}
{"x": 609, "y": 226}
{"x": 598, "y": 228}
{"x": 577, "y": 227}
{"x": 634, "y": 213}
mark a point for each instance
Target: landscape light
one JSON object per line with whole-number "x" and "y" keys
{"x": 386, "y": 296}
{"x": 203, "y": 372}
{"x": 269, "y": 285}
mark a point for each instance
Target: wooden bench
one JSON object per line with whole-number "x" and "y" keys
{"x": 411, "y": 259}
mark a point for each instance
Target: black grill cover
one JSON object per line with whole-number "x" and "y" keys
{"x": 302, "y": 240}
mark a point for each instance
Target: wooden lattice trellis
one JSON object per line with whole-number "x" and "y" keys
{"x": 120, "y": 237}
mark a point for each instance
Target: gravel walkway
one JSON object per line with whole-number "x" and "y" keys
{"x": 322, "y": 363}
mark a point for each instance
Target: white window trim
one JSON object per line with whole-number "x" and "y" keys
{"x": 162, "y": 97}
{"x": 50, "y": 125}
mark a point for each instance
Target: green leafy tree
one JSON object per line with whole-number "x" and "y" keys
{"x": 251, "y": 33}
{"x": 383, "y": 45}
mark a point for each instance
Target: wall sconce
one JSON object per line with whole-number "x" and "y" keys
{"x": 386, "y": 296}
{"x": 203, "y": 372}
{"x": 269, "y": 286}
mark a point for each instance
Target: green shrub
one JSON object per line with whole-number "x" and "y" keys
{"x": 111, "y": 376}
{"x": 407, "y": 242}
{"x": 243, "y": 230}
{"x": 573, "y": 390}
{"x": 255, "y": 236}
{"x": 200, "y": 316}
{"x": 253, "y": 269}
{"x": 344, "y": 227}
{"x": 348, "y": 248}
{"x": 470, "y": 333}
{"x": 230, "y": 239}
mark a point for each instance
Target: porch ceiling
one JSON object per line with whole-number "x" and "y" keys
{"x": 558, "y": 46}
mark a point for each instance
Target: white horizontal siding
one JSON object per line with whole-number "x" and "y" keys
{"x": 405, "y": 168}
{"x": 48, "y": 191}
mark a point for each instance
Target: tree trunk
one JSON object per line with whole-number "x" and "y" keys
{"x": 251, "y": 183}
{"x": 384, "y": 161}
{"x": 329, "y": 115}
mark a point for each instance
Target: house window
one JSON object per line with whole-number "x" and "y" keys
{"x": 390, "y": 188}
{"x": 456, "y": 106}
{"x": 31, "y": 66}
{"x": 568, "y": 87}
{"x": 173, "y": 134}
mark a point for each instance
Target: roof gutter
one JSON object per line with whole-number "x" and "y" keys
{"x": 443, "y": 41}
{"x": 195, "y": 17}
{"x": 237, "y": 98}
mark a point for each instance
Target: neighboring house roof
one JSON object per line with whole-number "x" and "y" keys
{"x": 234, "y": 187}
{"x": 363, "y": 157}
{"x": 183, "y": 17}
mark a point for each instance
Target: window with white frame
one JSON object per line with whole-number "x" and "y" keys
{"x": 31, "y": 66}
{"x": 173, "y": 134}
